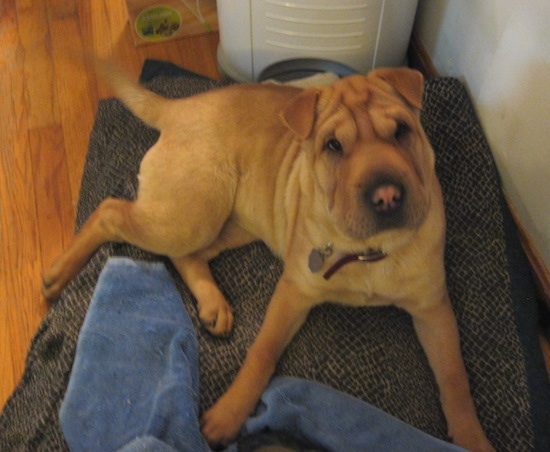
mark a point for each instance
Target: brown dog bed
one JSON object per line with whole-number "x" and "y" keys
{"x": 371, "y": 353}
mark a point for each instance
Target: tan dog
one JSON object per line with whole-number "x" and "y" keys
{"x": 327, "y": 178}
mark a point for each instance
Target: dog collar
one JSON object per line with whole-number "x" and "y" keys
{"x": 318, "y": 255}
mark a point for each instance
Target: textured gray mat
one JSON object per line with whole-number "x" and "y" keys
{"x": 371, "y": 353}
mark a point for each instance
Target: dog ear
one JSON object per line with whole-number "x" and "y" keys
{"x": 407, "y": 82}
{"x": 299, "y": 114}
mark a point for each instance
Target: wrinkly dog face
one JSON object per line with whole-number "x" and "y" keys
{"x": 370, "y": 155}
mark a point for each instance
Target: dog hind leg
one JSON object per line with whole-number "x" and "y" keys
{"x": 115, "y": 220}
{"x": 84, "y": 244}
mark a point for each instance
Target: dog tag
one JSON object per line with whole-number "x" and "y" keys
{"x": 317, "y": 257}
{"x": 316, "y": 260}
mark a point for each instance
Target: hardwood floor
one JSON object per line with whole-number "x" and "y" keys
{"x": 47, "y": 104}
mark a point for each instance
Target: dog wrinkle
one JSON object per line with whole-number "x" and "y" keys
{"x": 356, "y": 90}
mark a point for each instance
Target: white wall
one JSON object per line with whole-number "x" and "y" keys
{"x": 501, "y": 50}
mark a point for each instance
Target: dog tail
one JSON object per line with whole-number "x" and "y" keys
{"x": 143, "y": 103}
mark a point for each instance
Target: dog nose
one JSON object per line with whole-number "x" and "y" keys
{"x": 386, "y": 198}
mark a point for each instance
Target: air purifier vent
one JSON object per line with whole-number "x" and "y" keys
{"x": 360, "y": 34}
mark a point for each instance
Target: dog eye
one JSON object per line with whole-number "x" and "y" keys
{"x": 333, "y": 145}
{"x": 402, "y": 131}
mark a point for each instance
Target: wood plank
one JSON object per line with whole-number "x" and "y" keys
{"x": 8, "y": 39}
{"x": 21, "y": 306}
{"x": 32, "y": 22}
{"x": 76, "y": 92}
{"x": 55, "y": 212}
{"x": 46, "y": 122}
{"x": 192, "y": 49}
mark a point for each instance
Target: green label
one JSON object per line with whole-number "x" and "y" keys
{"x": 158, "y": 23}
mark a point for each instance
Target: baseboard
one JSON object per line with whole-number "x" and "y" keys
{"x": 540, "y": 272}
{"x": 420, "y": 59}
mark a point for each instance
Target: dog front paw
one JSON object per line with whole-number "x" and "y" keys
{"x": 475, "y": 442}
{"x": 220, "y": 425}
{"x": 216, "y": 316}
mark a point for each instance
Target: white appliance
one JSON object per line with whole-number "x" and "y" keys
{"x": 269, "y": 38}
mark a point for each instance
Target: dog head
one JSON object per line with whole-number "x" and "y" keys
{"x": 368, "y": 151}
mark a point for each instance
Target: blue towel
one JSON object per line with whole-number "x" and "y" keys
{"x": 135, "y": 373}
{"x": 134, "y": 384}
{"x": 318, "y": 414}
